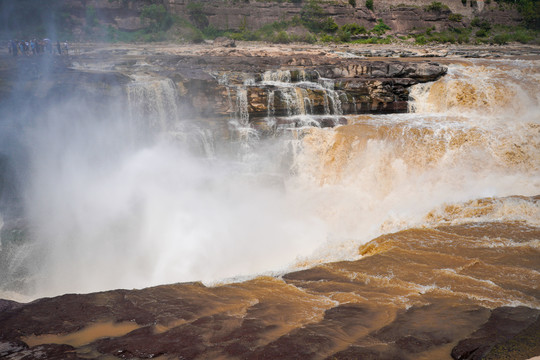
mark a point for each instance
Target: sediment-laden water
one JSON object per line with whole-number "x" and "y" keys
{"x": 140, "y": 195}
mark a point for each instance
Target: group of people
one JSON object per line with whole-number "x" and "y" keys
{"x": 34, "y": 47}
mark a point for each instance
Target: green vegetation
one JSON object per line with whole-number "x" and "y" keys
{"x": 482, "y": 32}
{"x": 374, "y": 40}
{"x": 314, "y": 18}
{"x": 436, "y": 7}
{"x": 369, "y": 4}
{"x": 455, "y": 17}
{"x": 380, "y": 28}
{"x": 529, "y": 9}
{"x": 311, "y": 25}
{"x": 482, "y": 24}
{"x": 353, "y": 29}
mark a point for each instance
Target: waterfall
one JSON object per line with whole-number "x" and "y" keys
{"x": 332, "y": 103}
{"x": 271, "y": 110}
{"x": 278, "y": 76}
{"x": 304, "y": 196}
{"x": 153, "y": 104}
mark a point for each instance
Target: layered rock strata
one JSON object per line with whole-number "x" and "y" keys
{"x": 223, "y": 82}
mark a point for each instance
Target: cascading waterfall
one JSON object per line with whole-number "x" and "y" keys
{"x": 271, "y": 116}
{"x": 120, "y": 216}
{"x": 332, "y": 102}
{"x": 153, "y": 103}
{"x": 465, "y": 141}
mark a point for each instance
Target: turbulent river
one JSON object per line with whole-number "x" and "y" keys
{"x": 447, "y": 190}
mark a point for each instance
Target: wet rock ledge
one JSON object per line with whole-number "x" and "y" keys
{"x": 223, "y": 81}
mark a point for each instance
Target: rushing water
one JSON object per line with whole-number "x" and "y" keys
{"x": 105, "y": 211}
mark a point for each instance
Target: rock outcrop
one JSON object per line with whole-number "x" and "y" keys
{"x": 383, "y": 306}
{"x": 247, "y": 83}
{"x": 403, "y": 16}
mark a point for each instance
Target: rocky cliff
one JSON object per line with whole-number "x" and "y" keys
{"x": 402, "y": 16}
{"x": 222, "y": 82}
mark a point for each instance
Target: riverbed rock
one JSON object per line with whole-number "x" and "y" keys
{"x": 509, "y": 330}
{"x": 384, "y": 305}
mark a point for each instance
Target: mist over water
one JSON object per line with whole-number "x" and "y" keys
{"x": 114, "y": 200}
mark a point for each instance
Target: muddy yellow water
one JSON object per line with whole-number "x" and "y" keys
{"x": 439, "y": 279}
{"x": 84, "y": 336}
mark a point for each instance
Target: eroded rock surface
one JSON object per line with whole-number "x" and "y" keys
{"x": 225, "y": 82}
{"x": 419, "y": 293}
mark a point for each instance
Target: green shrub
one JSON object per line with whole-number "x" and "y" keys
{"x": 523, "y": 35}
{"x": 462, "y": 39}
{"x": 380, "y": 28}
{"x": 327, "y": 38}
{"x": 369, "y": 4}
{"x": 329, "y": 25}
{"x": 481, "y": 33}
{"x": 501, "y": 39}
{"x": 210, "y": 32}
{"x": 343, "y": 36}
{"x": 482, "y": 24}
{"x": 455, "y": 17}
{"x": 372, "y": 40}
{"x": 281, "y": 38}
{"x": 306, "y": 38}
{"x": 354, "y": 29}
{"x": 421, "y": 40}
{"x": 464, "y": 2}
{"x": 352, "y": 3}
{"x": 436, "y": 7}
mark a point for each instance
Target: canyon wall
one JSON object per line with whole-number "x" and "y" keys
{"x": 402, "y": 16}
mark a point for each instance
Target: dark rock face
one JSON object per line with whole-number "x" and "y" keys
{"x": 504, "y": 327}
